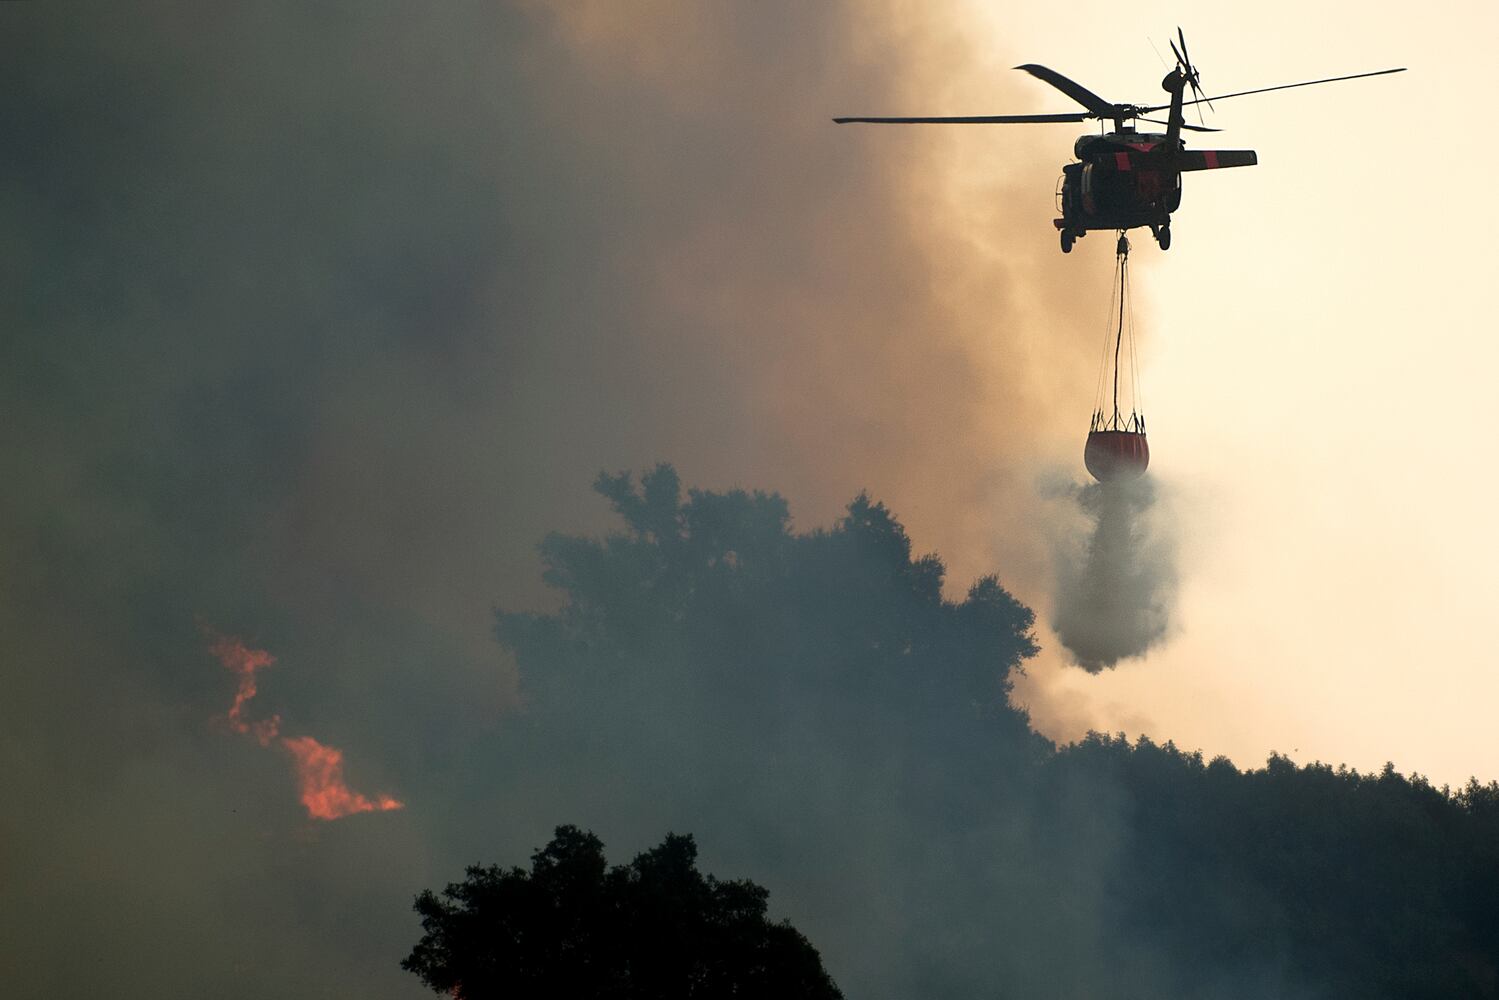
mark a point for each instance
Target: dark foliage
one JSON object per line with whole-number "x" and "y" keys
{"x": 656, "y": 929}
{"x": 1346, "y": 884}
{"x": 813, "y": 704}
{"x": 716, "y": 600}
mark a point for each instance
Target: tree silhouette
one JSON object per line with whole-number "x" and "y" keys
{"x": 712, "y": 611}
{"x": 573, "y": 927}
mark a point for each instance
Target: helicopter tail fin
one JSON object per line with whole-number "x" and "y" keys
{"x": 1212, "y": 159}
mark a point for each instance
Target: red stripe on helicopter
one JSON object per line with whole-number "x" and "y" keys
{"x": 1121, "y": 160}
{"x": 1210, "y": 157}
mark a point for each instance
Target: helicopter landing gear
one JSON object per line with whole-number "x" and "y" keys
{"x": 1067, "y": 240}
{"x": 1163, "y": 237}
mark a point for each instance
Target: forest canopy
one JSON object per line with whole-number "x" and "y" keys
{"x": 810, "y": 703}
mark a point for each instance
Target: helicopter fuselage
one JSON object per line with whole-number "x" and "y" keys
{"x": 1121, "y": 180}
{"x": 1125, "y": 180}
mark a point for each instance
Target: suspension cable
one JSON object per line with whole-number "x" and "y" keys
{"x": 1107, "y": 414}
{"x": 1123, "y": 251}
{"x": 1137, "y": 402}
{"x": 1101, "y": 385}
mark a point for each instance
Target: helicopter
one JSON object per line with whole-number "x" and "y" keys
{"x": 1126, "y": 179}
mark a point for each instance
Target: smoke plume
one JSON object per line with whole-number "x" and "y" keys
{"x": 1115, "y": 574}
{"x": 320, "y": 769}
{"x": 320, "y": 318}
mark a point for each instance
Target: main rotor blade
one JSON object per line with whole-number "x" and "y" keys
{"x": 1185, "y": 125}
{"x": 1074, "y": 116}
{"x": 1082, "y": 95}
{"x": 1284, "y": 86}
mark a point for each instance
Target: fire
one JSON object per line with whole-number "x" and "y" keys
{"x": 244, "y": 661}
{"x": 320, "y": 769}
{"x": 320, "y": 772}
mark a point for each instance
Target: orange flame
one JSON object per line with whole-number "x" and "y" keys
{"x": 320, "y": 772}
{"x": 244, "y": 661}
{"x": 320, "y": 769}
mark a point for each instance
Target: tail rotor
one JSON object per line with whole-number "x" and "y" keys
{"x": 1190, "y": 73}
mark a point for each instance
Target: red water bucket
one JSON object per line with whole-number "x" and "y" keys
{"x": 1114, "y": 455}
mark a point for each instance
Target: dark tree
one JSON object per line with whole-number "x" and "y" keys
{"x": 573, "y": 927}
{"x": 761, "y": 646}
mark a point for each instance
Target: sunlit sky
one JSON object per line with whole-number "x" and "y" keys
{"x": 1317, "y": 359}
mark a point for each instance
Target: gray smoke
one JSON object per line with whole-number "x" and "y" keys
{"x": 1115, "y": 574}
{"x": 317, "y": 319}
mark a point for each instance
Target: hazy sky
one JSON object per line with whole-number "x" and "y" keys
{"x": 318, "y": 320}
{"x": 1316, "y": 364}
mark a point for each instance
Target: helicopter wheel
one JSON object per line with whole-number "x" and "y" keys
{"x": 1067, "y": 239}
{"x": 1164, "y": 237}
